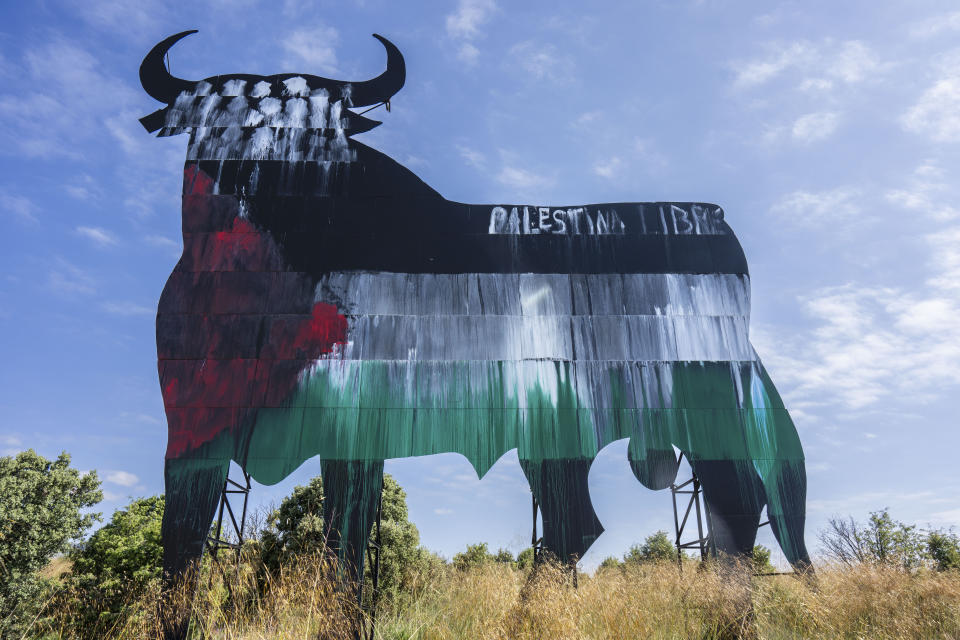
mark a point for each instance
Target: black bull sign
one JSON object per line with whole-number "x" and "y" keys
{"x": 330, "y": 303}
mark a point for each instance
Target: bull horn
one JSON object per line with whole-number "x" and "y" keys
{"x": 155, "y": 78}
{"x": 381, "y": 88}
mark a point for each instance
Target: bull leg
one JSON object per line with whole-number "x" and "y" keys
{"x": 734, "y": 497}
{"x": 193, "y": 489}
{"x": 351, "y": 492}
{"x": 786, "y": 490}
{"x": 560, "y": 486}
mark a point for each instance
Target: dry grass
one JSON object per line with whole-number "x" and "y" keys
{"x": 659, "y": 602}
{"x": 647, "y": 601}
{"x": 56, "y": 567}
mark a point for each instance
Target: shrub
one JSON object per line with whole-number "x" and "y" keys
{"x": 40, "y": 513}
{"x": 944, "y": 550}
{"x": 119, "y": 563}
{"x": 657, "y": 547}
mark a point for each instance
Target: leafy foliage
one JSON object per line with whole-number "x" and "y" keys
{"x": 525, "y": 558}
{"x": 403, "y": 562}
{"x": 118, "y": 563}
{"x": 504, "y": 556}
{"x": 657, "y": 547}
{"x": 881, "y": 540}
{"x": 41, "y": 503}
{"x": 475, "y": 555}
{"x": 760, "y": 558}
{"x": 944, "y": 550}
{"x": 297, "y": 528}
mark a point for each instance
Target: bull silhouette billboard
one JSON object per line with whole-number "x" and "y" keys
{"x": 330, "y": 303}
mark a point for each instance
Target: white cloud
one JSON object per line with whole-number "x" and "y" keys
{"x": 443, "y": 512}
{"x": 473, "y": 157}
{"x": 69, "y": 280}
{"x": 945, "y": 258}
{"x": 83, "y": 187}
{"x": 818, "y": 66}
{"x": 926, "y": 193}
{"x": 314, "y": 47}
{"x": 854, "y": 62}
{"x": 937, "y": 113}
{"x": 99, "y": 236}
{"x": 936, "y": 25}
{"x": 161, "y": 241}
{"x": 470, "y": 15}
{"x": 468, "y": 53}
{"x": 607, "y": 168}
{"x": 20, "y": 206}
{"x": 464, "y": 26}
{"x": 63, "y": 102}
{"x": 522, "y": 179}
{"x": 811, "y": 208}
{"x": 814, "y": 126}
{"x": 541, "y": 61}
{"x": 122, "y": 478}
{"x": 131, "y": 19}
{"x": 128, "y": 309}
{"x": 782, "y": 57}
{"x": 873, "y": 343}
{"x": 10, "y": 441}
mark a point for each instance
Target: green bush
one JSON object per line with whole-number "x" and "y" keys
{"x": 475, "y": 555}
{"x": 116, "y": 566}
{"x": 761, "y": 560}
{"x": 297, "y": 528}
{"x": 944, "y": 550}
{"x": 525, "y": 558}
{"x": 657, "y": 547}
{"x": 40, "y": 513}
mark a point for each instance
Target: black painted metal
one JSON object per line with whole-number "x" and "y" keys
{"x": 702, "y": 542}
{"x": 373, "y": 559}
{"x": 216, "y": 541}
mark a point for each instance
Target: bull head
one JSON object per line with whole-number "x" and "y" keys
{"x": 160, "y": 84}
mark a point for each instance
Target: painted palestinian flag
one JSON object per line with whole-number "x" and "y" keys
{"x": 329, "y": 303}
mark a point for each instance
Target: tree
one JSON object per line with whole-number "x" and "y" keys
{"x": 117, "y": 564}
{"x": 402, "y": 560}
{"x": 760, "y": 558}
{"x": 476, "y": 555}
{"x": 41, "y": 503}
{"x": 657, "y": 547}
{"x": 881, "y": 540}
{"x": 504, "y": 556}
{"x": 525, "y": 558}
{"x": 610, "y": 562}
{"x": 297, "y": 528}
{"x": 944, "y": 550}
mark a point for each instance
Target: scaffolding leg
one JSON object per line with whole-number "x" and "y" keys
{"x": 693, "y": 490}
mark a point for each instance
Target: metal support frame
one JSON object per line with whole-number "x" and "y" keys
{"x": 216, "y": 541}
{"x": 373, "y": 560}
{"x": 703, "y": 541}
{"x": 535, "y": 542}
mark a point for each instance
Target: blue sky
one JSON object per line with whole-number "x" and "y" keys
{"x": 829, "y": 132}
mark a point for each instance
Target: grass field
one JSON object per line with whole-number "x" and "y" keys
{"x": 639, "y": 601}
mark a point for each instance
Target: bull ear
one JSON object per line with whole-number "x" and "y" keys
{"x": 156, "y": 80}
{"x": 154, "y": 121}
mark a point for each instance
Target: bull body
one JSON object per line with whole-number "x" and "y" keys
{"x": 329, "y": 303}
